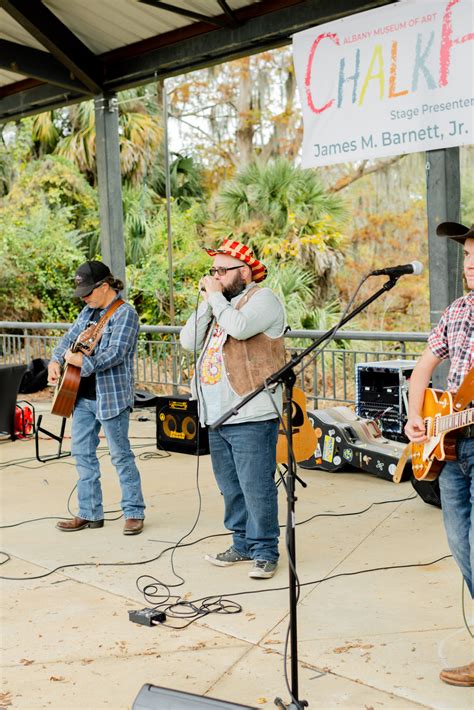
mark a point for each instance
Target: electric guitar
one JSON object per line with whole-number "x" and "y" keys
{"x": 68, "y": 384}
{"x": 440, "y": 421}
{"x": 304, "y": 437}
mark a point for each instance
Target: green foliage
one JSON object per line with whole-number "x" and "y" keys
{"x": 57, "y": 183}
{"x": 45, "y": 131}
{"x": 70, "y": 132}
{"x": 294, "y": 288}
{"x": 139, "y": 206}
{"x": 467, "y": 184}
{"x": 15, "y": 149}
{"x": 77, "y": 142}
{"x": 325, "y": 317}
{"x": 285, "y": 214}
{"x": 186, "y": 180}
{"x": 278, "y": 198}
{"x": 6, "y": 169}
{"x": 467, "y": 204}
{"x": 47, "y": 222}
{"x": 292, "y": 220}
{"x": 38, "y": 257}
{"x": 148, "y": 283}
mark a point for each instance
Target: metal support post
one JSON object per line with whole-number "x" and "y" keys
{"x": 109, "y": 183}
{"x": 443, "y": 199}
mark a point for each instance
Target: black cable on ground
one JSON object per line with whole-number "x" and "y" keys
{"x": 196, "y": 608}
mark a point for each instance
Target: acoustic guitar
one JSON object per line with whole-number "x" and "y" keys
{"x": 68, "y": 384}
{"x": 304, "y": 437}
{"x": 440, "y": 421}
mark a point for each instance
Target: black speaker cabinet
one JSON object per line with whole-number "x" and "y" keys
{"x": 177, "y": 426}
{"x": 428, "y": 491}
{"x": 152, "y": 697}
{"x": 347, "y": 441}
{"x": 381, "y": 394}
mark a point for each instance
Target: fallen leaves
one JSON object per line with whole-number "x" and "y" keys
{"x": 5, "y": 699}
{"x": 350, "y": 646}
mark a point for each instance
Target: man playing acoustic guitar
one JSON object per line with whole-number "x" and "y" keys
{"x": 452, "y": 338}
{"x": 104, "y": 399}
{"x": 239, "y": 328}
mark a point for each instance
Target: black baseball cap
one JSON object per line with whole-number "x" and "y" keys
{"x": 88, "y": 276}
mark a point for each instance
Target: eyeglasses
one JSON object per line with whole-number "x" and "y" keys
{"x": 222, "y": 270}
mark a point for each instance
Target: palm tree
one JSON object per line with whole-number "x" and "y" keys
{"x": 275, "y": 194}
{"x": 138, "y": 224}
{"x": 293, "y": 286}
{"x": 285, "y": 214}
{"x": 186, "y": 180}
{"x": 71, "y": 132}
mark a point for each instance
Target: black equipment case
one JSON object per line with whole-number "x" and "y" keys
{"x": 346, "y": 440}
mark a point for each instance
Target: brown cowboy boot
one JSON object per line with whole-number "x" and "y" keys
{"x": 78, "y": 524}
{"x": 462, "y": 675}
{"x": 133, "y": 526}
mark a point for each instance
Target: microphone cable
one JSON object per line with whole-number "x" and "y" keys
{"x": 157, "y": 584}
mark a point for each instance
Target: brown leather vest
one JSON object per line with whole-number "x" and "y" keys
{"x": 249, "y": 362}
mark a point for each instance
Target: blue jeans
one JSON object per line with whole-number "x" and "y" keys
{"x": 85, "y": 440}
{"x": 456, "y": 484}
{"x": 244, "y": 462}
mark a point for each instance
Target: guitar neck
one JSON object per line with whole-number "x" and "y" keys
{"x": 453, "y": 421}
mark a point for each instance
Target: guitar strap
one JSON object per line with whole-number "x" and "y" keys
{"x": 406, "y": 453}
{"x": 101, "y": 323}
{"x": 465, "y": 393}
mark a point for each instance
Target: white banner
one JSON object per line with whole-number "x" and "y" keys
{"x": 398, "y": 79}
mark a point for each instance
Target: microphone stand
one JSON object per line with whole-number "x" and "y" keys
{"x": 286, "y": 376}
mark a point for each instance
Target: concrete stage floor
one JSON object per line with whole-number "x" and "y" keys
{"x": 368, "y": 641}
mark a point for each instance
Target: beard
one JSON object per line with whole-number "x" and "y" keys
{"x": 234, "y": 288}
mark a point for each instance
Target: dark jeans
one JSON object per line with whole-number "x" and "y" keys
{"x": 244, "y": 462}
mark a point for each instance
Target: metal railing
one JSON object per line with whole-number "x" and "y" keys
{"x": 163, "y": 366}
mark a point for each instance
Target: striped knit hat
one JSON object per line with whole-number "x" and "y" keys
{"x": 242, "y": 252}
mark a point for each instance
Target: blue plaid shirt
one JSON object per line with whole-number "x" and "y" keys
{"x": 112, "y": 360}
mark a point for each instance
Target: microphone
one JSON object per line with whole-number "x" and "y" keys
{"x": 416, "y": 267}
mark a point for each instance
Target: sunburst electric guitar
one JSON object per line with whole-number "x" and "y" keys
{"x": 68, "y": 384}
{"x": 441, "y": 423}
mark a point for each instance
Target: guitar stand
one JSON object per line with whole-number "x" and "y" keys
{"x": 60, "y": 454}
{"x": 282, "y": 474}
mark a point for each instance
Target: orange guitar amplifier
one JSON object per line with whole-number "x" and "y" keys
{"x": 178, "y": 428}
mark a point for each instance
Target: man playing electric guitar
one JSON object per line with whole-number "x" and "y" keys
{"x": 452, "y": 338}
{"x": 104, "y": 399}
